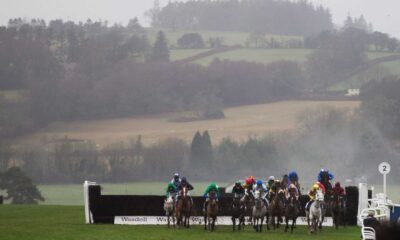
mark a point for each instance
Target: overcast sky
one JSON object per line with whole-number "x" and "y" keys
{"x": 382, "y": 13}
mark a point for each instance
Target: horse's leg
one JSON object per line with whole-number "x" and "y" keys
{"x": 205, "y": 221}
{"x": 261, "y": 224}
{"x": 168, "y": 219}
{"x": 234, "y": 223}
{"x": 267, "y": 221}
{"x": 287, "y": 223}
{"x": 293, "y": 224}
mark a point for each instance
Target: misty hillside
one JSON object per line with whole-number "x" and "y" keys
{"x": 95, "y": 96}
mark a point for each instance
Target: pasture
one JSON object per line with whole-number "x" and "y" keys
{"x": 239, "y": 124}
{"x": 67, "y": 222}
{"x": 228, "y": 38}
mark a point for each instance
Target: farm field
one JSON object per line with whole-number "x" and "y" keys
{"x": 228, "y": 38}
{"x": 259, "y": 55}
{"x": 239, "y": 124}
{"x": 67, "y": 222}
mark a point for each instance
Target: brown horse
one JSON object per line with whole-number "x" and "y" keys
{"x": 238, "y": 212}
{"x": 184, "y": 208}
{"x": 276, "y": 210}
{"x": 291, "y": 212}
{"x": 338, "y": 210}
{"x": 248, "y": 201}
{"x": 211, "y": 212}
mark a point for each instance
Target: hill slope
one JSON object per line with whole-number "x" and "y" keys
{"x": 239, "y": 124}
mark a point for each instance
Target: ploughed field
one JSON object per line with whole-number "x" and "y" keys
{"x": 239, "y": 124}
{"x": 21, "y": 222}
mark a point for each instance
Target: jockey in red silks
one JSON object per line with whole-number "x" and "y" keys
{"x": 339, "y": 190}
{"x": 249, "y": 183}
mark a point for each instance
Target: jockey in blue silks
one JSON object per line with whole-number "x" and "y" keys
{"x": 260, "y": 186}
{"x": 294, "y": 179}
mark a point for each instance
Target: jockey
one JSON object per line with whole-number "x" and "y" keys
{"x": 321, "y": 174}
{"x": 171, "y": 190}
{"x": 274, "y": 189}
{"x": 285, "y": 182}
{"x": 249, "y": 183}
{"x": 294, "y": 179}
{"x": 238, "y": 189}
{"x": 260, "y": 186}
{"x": 312, "y": 194}
{"x": 339, "y": 190}
{"x": 213, "y": 187}
{"x": 176, "y": 180}
{"x": 292, "y": 190}
{"x": 271, "y": 181}
{"x": 184, "y": 183}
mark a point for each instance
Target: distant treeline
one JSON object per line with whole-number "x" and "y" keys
{"x": 269, "y": 16}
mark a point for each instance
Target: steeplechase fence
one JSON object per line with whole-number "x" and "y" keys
{"x": 148, "y": 210}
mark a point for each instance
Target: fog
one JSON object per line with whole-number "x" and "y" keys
{"x": 383, "y": 14}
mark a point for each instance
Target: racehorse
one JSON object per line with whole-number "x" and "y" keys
{"x": 248, "y": 201}
{"x": 238, "y": 211}
{"x": 211, "y": 212}
{"x": 314, "y": 215}
{"x": 169, "y": 207}
{"x": 276, "y": 209}
{"x": 338, "y": 210}
{"x": 291, "y": 212}
{"x": 184, "y": 208}
{"x": 259, "y": 211}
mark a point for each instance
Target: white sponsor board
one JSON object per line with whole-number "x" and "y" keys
{"x": 162, "y": 220}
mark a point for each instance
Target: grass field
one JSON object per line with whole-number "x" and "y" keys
{"x": 259, "y": 55}
{"x": 229, "y": 38}
{"x": 239, "y": 124}
{"x": 64, "y": 223}
{"x": 13, "y": 95}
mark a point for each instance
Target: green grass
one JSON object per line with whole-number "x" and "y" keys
{"x": 259, "y": 55}
{"x": 229, "y": 38}
{"x": 72, "y": 194}
{"x": 13, "y": 95}
{"x": 179, "y": 54}
{"x": 64, "y": 223}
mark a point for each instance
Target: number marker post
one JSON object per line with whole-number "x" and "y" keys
{"x": 384, "y": 169}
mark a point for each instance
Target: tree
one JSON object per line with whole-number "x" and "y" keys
{"x": 160, "y": 51}
{"x": 191, "y": 41}
{"x": 19, "y": 187}
{"x": 201, "y": 152}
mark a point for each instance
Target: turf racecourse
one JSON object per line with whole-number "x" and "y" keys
{"x": 67, "y": 222}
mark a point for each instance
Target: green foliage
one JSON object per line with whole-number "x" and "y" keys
{"x": 191, "y": 41}
{"x": 201, "y": 151}
{"x": 337, "y": 58}
{"x": 19, "y": 187}
{"x": 160, "y": 51}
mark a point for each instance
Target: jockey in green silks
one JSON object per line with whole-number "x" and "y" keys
{"x": 172, "y": 190}
{"x": 212, "y": 188}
